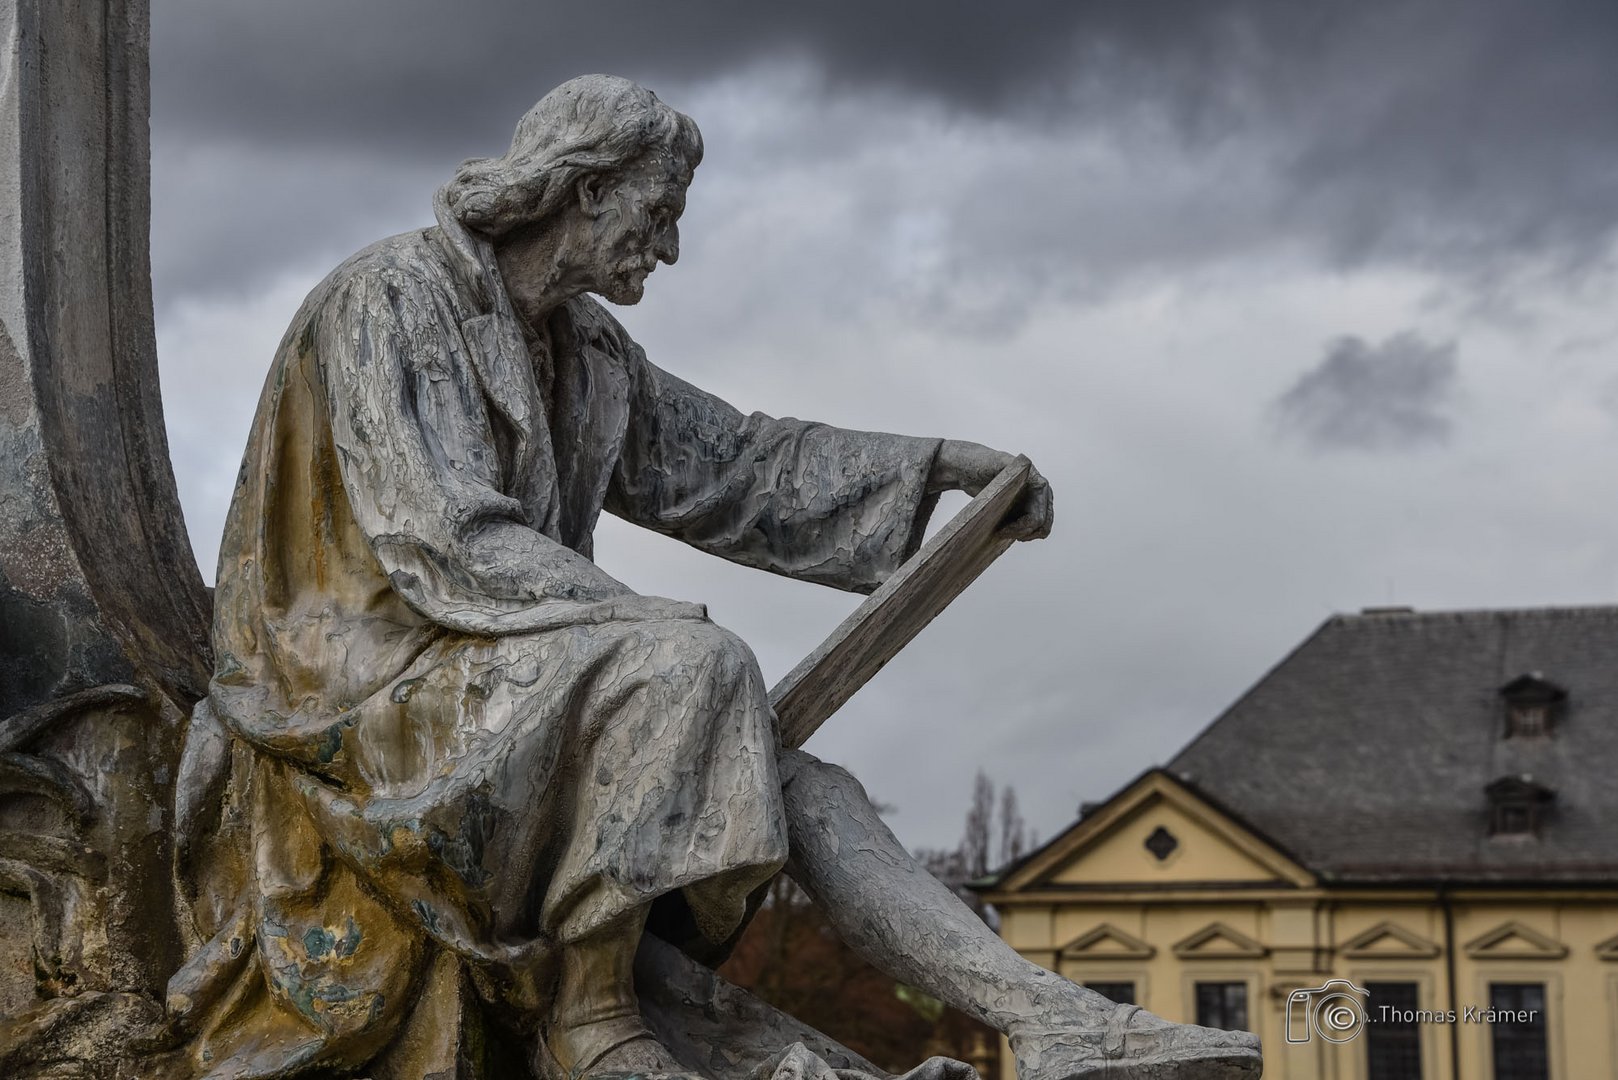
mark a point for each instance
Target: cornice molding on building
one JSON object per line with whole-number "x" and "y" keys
{"x": 1070, "y": 896}
{"x": 1224, "y": 892}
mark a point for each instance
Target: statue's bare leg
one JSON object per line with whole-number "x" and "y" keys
{"x": 899, "y": 917}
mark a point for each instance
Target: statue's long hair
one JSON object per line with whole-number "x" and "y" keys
{"x": 591, "y": 124}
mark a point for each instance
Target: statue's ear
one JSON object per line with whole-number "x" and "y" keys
{"x": 593, "y": 194}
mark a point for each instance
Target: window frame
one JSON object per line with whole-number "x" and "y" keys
{"x": 1435, "y": 1054}
{"x": 1481, "y": 1036}
{"x": 1423, "y": 1052}
{"x": 1193, "y": 972}
{"x": 1247, "y": 1002}
{"x": 1543, "y": 1026}
{"x": 1534, "y": 706}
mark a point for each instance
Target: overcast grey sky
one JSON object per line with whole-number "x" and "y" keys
{"x": 1301, "y": 307}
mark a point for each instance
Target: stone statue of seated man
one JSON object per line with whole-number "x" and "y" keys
{"x": 448, "y": 750}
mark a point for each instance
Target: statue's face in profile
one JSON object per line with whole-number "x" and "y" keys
{"x": 635, "y": 225}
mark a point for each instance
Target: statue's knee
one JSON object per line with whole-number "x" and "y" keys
{"x": 709, "y": 652}
{"x": 704, "y": 645}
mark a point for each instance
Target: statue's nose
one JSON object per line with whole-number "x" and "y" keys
{"x": 667, "y": 248}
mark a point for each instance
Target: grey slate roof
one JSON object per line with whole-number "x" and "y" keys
{"x": 1364, "y": 754}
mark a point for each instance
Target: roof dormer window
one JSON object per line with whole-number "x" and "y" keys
{"x": 1533, "y": 705}
{"x": 1517, "y": 805}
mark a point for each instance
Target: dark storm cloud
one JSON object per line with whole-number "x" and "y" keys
{"x": 407, "y": 70}
{"x": 1391, "y": 396}
{"x": 1468, "y": 138}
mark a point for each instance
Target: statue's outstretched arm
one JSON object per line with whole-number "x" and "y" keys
{"x": 831, "y": 505}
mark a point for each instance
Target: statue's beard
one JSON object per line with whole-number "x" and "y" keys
{"x": 627, "y": 282}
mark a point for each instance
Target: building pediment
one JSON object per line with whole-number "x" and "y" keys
{"x": 1217, "y": 941}
{"x": 1515, "y": 941}
{"x": 1107, "y": 942}
{"x": 1388, "y": 940}
{"x": 1155, "y": 833}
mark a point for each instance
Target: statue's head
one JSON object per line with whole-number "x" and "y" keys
{"x": 602, "y": 165}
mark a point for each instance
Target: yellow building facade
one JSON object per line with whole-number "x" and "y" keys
{"x": 1245, "y": 885}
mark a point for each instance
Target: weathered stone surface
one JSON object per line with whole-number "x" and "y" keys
{"x": 97, "y": 582}
{"x": 89, "y": 1036}
{"x": 85, "y": 899}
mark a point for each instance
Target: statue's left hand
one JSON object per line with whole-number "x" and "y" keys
{"x": 1031, "y": 518}
{"x": 969, "y": 467}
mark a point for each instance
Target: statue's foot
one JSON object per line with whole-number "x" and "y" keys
{"x": 1132, "y": 1044}
{"x": 619, "y": 1046}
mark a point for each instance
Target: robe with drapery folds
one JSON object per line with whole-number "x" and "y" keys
{"x": 436, "y": 728}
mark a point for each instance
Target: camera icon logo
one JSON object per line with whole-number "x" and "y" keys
{"x": 1335, "y": 1011}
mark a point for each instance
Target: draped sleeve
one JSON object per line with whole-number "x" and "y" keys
{"x": 807, "y": 500}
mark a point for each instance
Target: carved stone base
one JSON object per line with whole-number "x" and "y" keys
{"x": 94, "y": 1036}
{"x": 85, "y": 903}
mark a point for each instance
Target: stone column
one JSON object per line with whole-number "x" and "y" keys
{"x": 103, "y": 616}
{"x": 97, "y": 580}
